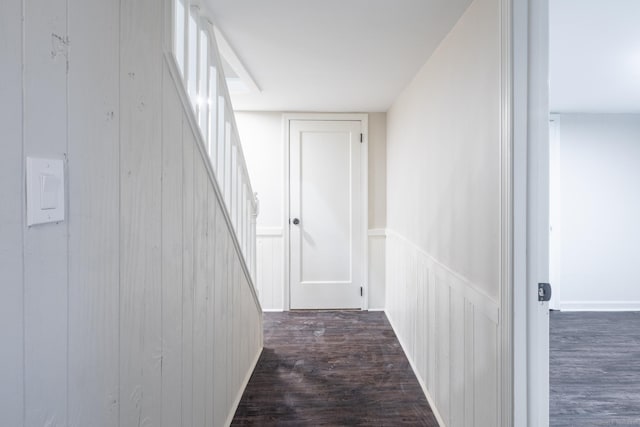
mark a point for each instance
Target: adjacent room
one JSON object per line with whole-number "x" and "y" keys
{"x": 594, "y": 211}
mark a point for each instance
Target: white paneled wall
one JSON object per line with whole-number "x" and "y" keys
{"x": 376, "y": 273}
{"x": 139, "y": 308}
{"x": 270, "y": 268}
{"x": 449, "y": 331}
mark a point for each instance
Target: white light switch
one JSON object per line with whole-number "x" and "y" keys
{"x": 48, "y": 192}
{"x": 45, "y": 191}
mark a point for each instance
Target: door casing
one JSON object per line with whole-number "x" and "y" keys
{"x": 530, "y": 35}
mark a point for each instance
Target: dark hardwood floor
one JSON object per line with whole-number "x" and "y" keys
{"x": 332, "y": 368}
{"x": 595, "y": 369}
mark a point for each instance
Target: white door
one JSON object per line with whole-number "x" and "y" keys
{"x": 326, "y": 214}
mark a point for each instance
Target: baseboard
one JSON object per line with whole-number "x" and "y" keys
{"x": 272, "y": 310}
{"x": 247, "y": 377}
{"x": 599, "y": 306}
{"x": 430, "y": 400}
{"x": 375, "y": 309}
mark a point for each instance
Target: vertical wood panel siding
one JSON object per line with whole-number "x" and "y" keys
{"x": 11, "y": 216}
{"x": 449, "y": 331}
{"x": 94, "y": 222}
{"x": 172, "y": 255}
{"x": 138, "y": 309}
{"x": 376, "y": 275}
{"x": 140, "y": 213}
{"x": 270, "y": 268}
{"x": 45, "y": 248}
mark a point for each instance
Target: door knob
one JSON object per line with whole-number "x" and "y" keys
{"x": 296, "y": 221}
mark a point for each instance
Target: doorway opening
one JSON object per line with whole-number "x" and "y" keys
{"x": 594, "y": 203}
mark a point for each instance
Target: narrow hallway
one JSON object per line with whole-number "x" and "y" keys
{"x": 332, "y": 368}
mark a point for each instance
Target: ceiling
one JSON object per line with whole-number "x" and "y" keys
{"x": 331, "y": 55}
{"x": 595, "y": 56}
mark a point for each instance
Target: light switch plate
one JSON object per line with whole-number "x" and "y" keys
{"x": 45, "y": 191}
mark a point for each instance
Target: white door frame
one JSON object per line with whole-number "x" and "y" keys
{"x": 363, "y": 118}
{"x": 530, "y": 32}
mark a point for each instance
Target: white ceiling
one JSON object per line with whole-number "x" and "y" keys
{"x": 332, "y": 55}
{"x": 595, "y": 56}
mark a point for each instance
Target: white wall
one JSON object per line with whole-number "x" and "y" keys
{"x": 443, "y": 220}
{"x": 599, "y": 207}
{"x": 377, "y": 209}
{"x": 263, "y": 143}
{"x": 135, "y": 310}
{"x": 263, "y": 146}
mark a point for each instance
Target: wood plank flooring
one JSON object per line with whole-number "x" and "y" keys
{"x": 595, "y": 369}
{"x": 338, "y": 368}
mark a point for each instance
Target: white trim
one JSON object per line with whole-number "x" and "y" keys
{"x": 530, "y": 122}
{"x": 269, "y": 231}
{"x": 519, "y": 99}
{"x": 286, "y": 303}
{"x": 599, "y": 305}
{"x": 458, "y": 283}
{"x": 229, "y": 55}
{"x": 377, "y": 232}
{"x": 377, "y": 309}
{"x": 243, "y": 386}
{"x": 555, "y": 212}
{"x": 272, "y": 310}
{"x": 538, "y": 214}
{"x": 351, "y": 117}
{"x": 363, "y": 118}
{"x": 430, "y": 399}
{"x": 505, "y": 316}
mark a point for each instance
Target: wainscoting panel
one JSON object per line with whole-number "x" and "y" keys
{"x": 449, "y": 331}
{"x": 376, "y": 292}
{"x": 270, "y": 268}
{"x": 271, "y": 274}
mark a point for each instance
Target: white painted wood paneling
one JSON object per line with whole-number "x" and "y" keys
{"x": 46, "y": 255}
{"x": 200, "y": 303}
{"x": 112, "y": 298}
{"x": 449, "y": 331}
{"x": 212, "y": 213}
{"x": 270, "y": 268}
{"x": 376, "y": 274}
{"x": 188, "y": 282}
{"x": 172, "y": 254}
{"x": 11, "y": 217}
{"x": 94, "y": 222}
{"x": 140, "y": 205}
{"x": 220, "y": 318}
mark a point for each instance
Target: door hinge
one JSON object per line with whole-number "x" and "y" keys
{"x": 544, "y": 292}
{"x": 360, "y": 137}
{"x": 361, "y": 291}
